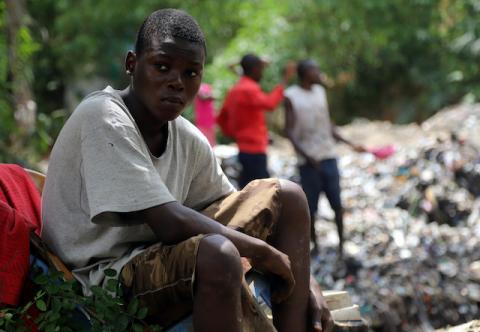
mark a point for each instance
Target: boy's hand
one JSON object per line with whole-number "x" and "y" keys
{"x": 272, "y": 261}
{"x": 359, "y": 148}
{"x": 313, "y": 163}
{"x": 289, "y": 71}
{"x": 321, "y": 319}
{"x": 318, "y": 311}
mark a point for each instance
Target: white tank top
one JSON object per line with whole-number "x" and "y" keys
{"x": 312, "y": 129}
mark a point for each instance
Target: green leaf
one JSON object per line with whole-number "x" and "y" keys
{"x": 111, "y": 315}
{"x": 100, "y": 315}
{"x": 110, "y": 273}
{"x": 39, "y": 294}
{"x": 123, "y": 321}
{"x": 56, "y": 304}
{"x": 66, "y": 286}
{"x": 56, "y": 274}
{"x": 97, "y": 291}
{"x": 50, "y": 328}
{"x": 132, "y": 307}
{"x": 142, "y": 313}
{"x": 52, "y": 289}
{"x": 54, "y": 317}
{"x": 137, "y": 327}
{"x": 25, "y": 308}
{"x": 41, "y": 305}
{"x": 69, "y": 305}
{"x": 41, "y": 279}
{"x": 112, "y": 285}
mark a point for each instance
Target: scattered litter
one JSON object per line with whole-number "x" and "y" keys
{"x": 412, "y": 220}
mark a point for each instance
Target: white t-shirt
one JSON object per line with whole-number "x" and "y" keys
{"x": 312, "y": 129}
{"x": 99, "y": 164}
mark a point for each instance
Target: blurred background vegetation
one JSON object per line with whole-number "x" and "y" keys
{"x": 394, "y": 60}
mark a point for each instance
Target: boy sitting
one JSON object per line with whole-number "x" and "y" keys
{"x": 133, "y": 186}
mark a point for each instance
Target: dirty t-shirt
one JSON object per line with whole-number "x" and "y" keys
{"x": 312, "y": 129}
{"x": 100, "y": 164}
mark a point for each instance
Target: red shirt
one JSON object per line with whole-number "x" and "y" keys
{"x": 242, "y": 115}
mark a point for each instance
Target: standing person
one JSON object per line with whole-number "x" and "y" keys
{"x": 312, "y": 134}
{"x": 242, "y": 117}
{"x": 133, "y": 186}
{"x": 205, "y": 112}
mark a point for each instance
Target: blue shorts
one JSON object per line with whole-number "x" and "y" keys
{"x": 254, "y": 166}
{"x": 325, "y": 178}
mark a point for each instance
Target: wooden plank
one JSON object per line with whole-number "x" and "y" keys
{"x": 337, "y": 299}
{"x": 348, "y": 313}
{"x": 473, "y": 326}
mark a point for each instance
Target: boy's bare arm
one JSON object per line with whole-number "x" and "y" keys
{"x": 337, "y": 136}
{"x": 173, "y": 223}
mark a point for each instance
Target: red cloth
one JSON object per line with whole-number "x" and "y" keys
{"x": 242, "y": 115}
{"x": 19, "y": 215}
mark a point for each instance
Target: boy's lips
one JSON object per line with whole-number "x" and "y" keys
{"x": 173, "y": 100}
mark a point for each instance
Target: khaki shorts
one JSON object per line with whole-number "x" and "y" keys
{"x": 162, "y": 277}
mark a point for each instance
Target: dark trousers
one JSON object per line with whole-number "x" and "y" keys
{"x": 324, "y": 178}
{"x": 254, "y": 166}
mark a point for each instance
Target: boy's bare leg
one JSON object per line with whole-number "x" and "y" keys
{"x": 313, "y": 235}
{"x": 292, "y": 237}
{"x": 339, "y": 223}
{"x": 217, "y": 303}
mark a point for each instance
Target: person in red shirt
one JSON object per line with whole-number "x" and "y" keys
{"x": 242, "y": 116}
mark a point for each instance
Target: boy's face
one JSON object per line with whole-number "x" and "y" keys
{"x": 257, "y": 71}
{"x": 313, "y": 74}
{"x": 167, "y": 76}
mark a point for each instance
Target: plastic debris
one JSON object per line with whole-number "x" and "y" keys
{"x": 412, "y": 221}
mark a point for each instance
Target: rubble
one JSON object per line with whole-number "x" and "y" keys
{"x": 473, "y": 326}
{"x": 412, "y": 221}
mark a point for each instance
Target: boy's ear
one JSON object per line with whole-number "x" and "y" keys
{"x": 130, "y": 63}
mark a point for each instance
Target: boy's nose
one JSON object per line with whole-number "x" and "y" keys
{"x": 175, "y": 81}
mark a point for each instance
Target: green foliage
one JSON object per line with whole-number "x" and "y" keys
{"x": 397, "y": 60}
{"x": 26, "y": 48}
{"x": 6, "y": 116}
{"x": 13, "y": 141}
{"x": 394, "y": 60}
{"x": 399, "y": 54}
{"x": 102, "y": 36}
{"x": 60, "y": 303}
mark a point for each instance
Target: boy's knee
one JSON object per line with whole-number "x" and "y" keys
{"x": 292, "y": 195}
{"x": 290, "y": 190}
{"x": 218, "y": 263}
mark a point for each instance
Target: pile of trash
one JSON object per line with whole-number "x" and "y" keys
{"x": 414, "y": 232}
{"x": 412, "y": 221}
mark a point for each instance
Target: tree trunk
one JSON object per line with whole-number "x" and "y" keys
{"x": 22, "y": 96}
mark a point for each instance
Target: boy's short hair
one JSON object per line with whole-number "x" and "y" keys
{"x": 168, "y": 23}
{"x": 249, "y": 62}
{"x": 303, "y": 66}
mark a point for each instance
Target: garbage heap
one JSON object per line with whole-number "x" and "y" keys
{"x": 412, "y": 221}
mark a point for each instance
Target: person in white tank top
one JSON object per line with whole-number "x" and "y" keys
{"x": 312, "y": 134}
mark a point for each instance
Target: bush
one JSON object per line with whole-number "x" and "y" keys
{"x": 63, "y": 308}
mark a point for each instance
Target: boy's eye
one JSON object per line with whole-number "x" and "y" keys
{"x": 192, "y": 73}
{"x": 161, "y": 67}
